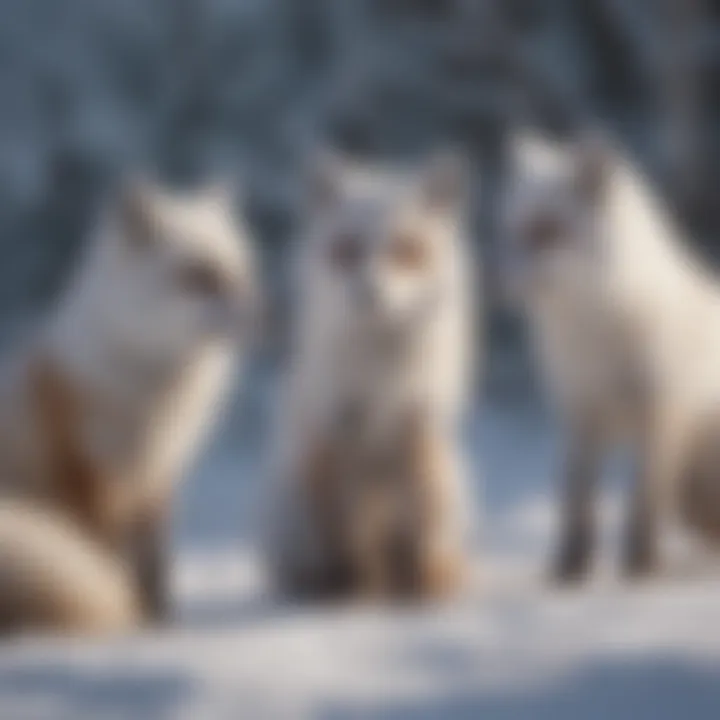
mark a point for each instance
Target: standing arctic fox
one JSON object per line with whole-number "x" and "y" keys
{"x": 368, "y": 478}
{"x": 101, "y": 413}
{"x": 627, "y": 327}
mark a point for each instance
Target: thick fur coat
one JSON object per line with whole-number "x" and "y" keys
{"x": 367, "y": 484}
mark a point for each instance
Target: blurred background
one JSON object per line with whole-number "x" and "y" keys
{"x": 92, "y": 89}
{"x": 245, "y": 88}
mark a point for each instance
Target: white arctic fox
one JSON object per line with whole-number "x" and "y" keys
{"x": 627, "y": 326}
{"x": 369, "y": 484}
{"x": 101, "y": 413}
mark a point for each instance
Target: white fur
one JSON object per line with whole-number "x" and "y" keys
{"x": 153, "y": 360}
{"x": 627, "y": 327}
{"x": 340, "y": 352}
{"x": 624, "y": 289}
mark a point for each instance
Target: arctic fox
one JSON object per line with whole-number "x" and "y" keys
{"x": 627, "y": 327}
{"x": 103, "y": 410}
{"x": 368, "y": 484}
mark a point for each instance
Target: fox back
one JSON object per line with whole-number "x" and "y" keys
{"x": 604, "y": 275}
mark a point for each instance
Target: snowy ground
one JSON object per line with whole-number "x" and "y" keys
{"x": 512, "y": 648}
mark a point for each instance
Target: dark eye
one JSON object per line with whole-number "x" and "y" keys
{"x": 345, "y": 251}
{"x": 200, "y": 279}
{"x": 544, "y": 232}
{"x": 409, "y": 252}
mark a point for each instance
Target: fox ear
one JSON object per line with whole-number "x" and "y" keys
{"x": 536, "y": 154}
{"x": 135, "y": 212}
{"x": 221, "y": 192}
{"x": 445, "y": 182}
{"x": 324, "y": 180}
{"x": 591, "y": 167}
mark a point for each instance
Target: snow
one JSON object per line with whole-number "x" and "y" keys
{"x": 511, "y": 647}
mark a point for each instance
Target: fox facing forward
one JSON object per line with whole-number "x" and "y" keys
{"x": 368, "y": 484}
{"x": 102, "y": 410}
{"x": 626, "y": 325}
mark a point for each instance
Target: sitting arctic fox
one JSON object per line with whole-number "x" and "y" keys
{"x": 101, "y": 413}
{"x": 368, "y": 498}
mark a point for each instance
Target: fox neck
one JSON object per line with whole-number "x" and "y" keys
{"x": 149, "y": 415}
{"x": 125, "y": 393}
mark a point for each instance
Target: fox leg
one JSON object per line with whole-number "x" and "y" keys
{"x": 368, "y": 560}
{"x": 320, "y": 567}
{"x": 580, "y": 478}
{"x": 151, "y": 561}
{"x": 434, "y": 561}
{"x": 659, "y": 458}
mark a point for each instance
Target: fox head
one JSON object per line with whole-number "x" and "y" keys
{"x": 382, "y": 248}
{"x": 553, "y": 219}
{"x": 168, "y": 274}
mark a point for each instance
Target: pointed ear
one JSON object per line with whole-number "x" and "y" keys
{"x": 444, "y": 183}
{"x": 592, "y": 165}
{"x": 135, "y": 212}
{"x": 533, "y": 153}
{"x": 324, "y": 180}
{"x": 221, "y": 192}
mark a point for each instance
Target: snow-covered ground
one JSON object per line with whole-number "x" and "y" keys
{"x": 511, "y": 648}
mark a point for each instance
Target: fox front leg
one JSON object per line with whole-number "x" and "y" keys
{"x": 579, "y": 485}
{"x": 437, "y": 565}
{"x": 151, "y": 562}
{"x": 658, "y": 465}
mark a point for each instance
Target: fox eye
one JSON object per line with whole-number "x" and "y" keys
{"x": 544, "y": 232}
{"x": 200, "y": 279}
{"x": 345, "y": 251}
{"x": 409, "y": 252}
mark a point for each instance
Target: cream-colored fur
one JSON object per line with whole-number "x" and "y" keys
{"x": 626, "y": 325}
{"x": 55, "y": 578}
{"x": 140, "y": 351}
{"x": 377, "y": 347}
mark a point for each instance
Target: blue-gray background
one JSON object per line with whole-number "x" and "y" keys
{"x": 187, "y": 88}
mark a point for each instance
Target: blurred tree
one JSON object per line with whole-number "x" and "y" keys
{"x": 249, "y": 88}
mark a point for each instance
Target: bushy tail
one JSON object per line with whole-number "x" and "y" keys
{"x": 53, "y": 578}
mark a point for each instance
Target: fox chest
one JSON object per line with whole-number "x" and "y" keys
{"x": 589, "y": 363}
{"x": 372, "y": 389}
